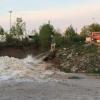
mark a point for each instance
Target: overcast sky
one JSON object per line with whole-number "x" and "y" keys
{"x": 61, "y": 13}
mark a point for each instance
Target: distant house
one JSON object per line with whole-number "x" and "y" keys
{"x": 2, "y": 38}
{"x": 30, "y": 36}
{"x": 20, "y": 37}
{"x": 94, "y": 36}
{"x": 88, "y": 39}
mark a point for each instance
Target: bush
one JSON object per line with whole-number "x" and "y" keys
{"x": 45, "y": 33}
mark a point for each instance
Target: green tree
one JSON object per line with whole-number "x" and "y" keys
{"x": 95, "y": 27}
{"x": 70, "y": 33}
{"x": 86, "y": 30}
{"x": 45, "y": 33}
{"x": 1, "y": 31}
{"x": 35, "y": 38}
{"x": 59, "y": 39}
{"x": 19, "y": 27}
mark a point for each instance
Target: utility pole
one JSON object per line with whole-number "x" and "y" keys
{"x": 93, "y": 19}
{"x": 76, "y": 30}
{"x": 10, "y": 12}
{"x": 49, "y": 22}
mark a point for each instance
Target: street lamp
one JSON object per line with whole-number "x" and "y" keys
{"x": 10, "y": 12}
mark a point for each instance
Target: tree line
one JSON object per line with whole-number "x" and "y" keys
{"x": 42, "y": 38}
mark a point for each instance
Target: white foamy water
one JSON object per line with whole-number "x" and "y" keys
{"x": 27, "y": 68}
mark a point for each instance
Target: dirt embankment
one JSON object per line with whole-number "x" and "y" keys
{"x": 78, "y": 59}
{"x": 18, "y": 52}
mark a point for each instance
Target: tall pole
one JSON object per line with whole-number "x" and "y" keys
{"x": 93, "y": 20}
{"x": 10, "y": 12}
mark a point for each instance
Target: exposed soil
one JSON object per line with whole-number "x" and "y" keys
{"x": 18, "y": 52}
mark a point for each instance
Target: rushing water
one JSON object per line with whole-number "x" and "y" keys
{"x": 29, "y": 68}
{"x": 14, "y": 68}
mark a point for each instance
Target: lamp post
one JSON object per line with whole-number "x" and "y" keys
{"x": 10, "y": 12}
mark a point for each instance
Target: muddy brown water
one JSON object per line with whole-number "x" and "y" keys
{"x": 18, "y": 52}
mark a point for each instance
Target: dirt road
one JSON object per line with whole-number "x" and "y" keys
{"x": 79, "y": 89}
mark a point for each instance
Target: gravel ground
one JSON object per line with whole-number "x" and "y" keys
{"x": 71, "y": 89}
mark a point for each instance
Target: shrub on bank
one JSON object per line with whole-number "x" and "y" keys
{"x": 78, "y": 58}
